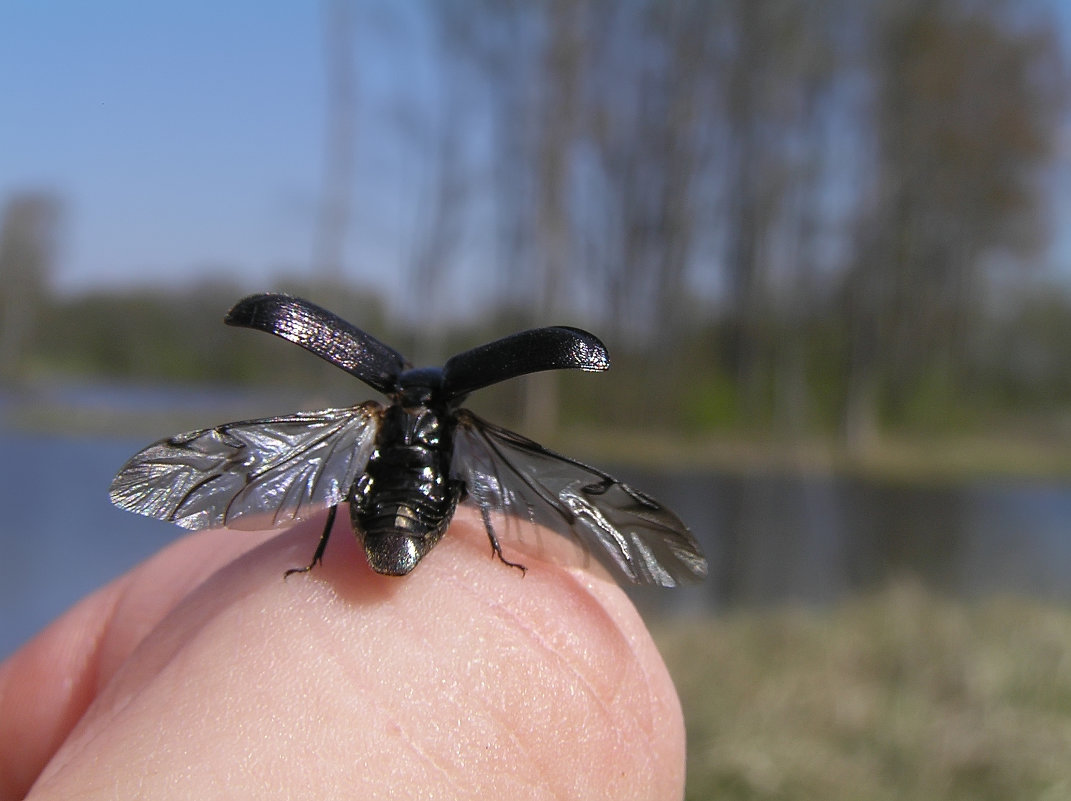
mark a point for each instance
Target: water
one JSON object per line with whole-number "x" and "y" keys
{"x": 815, "y": 538}
{"x": 60, "y": 537}
{"x": 769, "y": 538}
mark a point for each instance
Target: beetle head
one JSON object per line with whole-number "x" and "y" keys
{"x": 419, "y": 386}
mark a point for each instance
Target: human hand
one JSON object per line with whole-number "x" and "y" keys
{"x": 202, "y": 673}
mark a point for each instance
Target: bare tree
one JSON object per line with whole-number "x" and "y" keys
{"x": 439, "y": 227}
{"x": 333, "y": 219}
{"x": 966, "y": 102}
{"x": 645, "y": 121}
{"x": 29, "y": 238}
{"x": 802, "y": 158}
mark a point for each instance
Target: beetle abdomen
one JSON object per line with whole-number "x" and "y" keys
{"x": 405, "y": 501}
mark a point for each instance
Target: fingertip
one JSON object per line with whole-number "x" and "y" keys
{"x": 600, "y": 675}
{"x": 45, "y": 687}
{"x": 467, "y": 675}
{"x": 48, "y": 684}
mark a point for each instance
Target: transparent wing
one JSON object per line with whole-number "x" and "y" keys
{"x": 253, "y": 474}
{"x": 637, "y": 538}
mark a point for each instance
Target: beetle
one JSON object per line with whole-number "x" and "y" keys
{"x": 403, "y": 467}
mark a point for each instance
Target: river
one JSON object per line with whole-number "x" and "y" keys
{"x": 770, "y": 538}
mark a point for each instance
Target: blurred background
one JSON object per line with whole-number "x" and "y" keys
{"x": 823, "y": 240}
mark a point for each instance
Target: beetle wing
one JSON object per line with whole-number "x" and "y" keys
{"x": 637, "y": 538}
{"x": 253, "y": 474}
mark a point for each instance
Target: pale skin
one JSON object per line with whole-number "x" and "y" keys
{"x": 203, "y": 674}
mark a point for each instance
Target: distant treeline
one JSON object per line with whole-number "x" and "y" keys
{"x": 1018, "y": 365}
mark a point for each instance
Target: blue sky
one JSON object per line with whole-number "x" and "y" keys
{"x": 186, "y": 138}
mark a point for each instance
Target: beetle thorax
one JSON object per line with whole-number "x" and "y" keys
{"x": 405, "y": 500}
{"x": 419, "y": 387}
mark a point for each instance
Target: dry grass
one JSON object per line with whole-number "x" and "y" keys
{"x": 949, "y": 456}
{"x": 903, "y": 695}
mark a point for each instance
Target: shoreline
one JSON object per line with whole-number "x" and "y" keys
{"x": 1036, "y": 453}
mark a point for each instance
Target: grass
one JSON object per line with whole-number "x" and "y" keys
{"x": 902, "y": 695}
{"x": 946, "y": 457}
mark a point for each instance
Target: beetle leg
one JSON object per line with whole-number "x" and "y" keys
{"x": 321, "y": 546}
{"x": 486, "y": 515}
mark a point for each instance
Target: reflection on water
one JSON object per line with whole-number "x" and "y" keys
{"x": 813, "y": 538}
{"x": 770, "y": 538}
